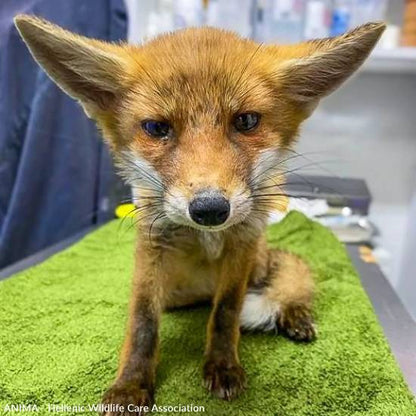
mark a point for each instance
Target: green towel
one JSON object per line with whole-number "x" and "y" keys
{"x": 62, "y": 325}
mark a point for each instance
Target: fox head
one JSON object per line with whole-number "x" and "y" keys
{"x": 201, "y": 120}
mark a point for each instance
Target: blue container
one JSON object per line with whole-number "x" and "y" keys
{"x": 341, "y": 18}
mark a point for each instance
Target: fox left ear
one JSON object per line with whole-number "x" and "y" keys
{"x": 314, "y": 69}
{"x": 89, "y": 70}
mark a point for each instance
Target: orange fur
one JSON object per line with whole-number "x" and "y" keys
{"x": 197, "y": 81}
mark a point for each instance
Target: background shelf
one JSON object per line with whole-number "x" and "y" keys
{"x": 399, "y": 60}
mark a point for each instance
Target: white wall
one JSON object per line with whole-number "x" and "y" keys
{"x": 406, "y": 286}
{"x": 138, "y": 12}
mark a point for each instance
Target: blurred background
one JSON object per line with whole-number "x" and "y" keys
{"x": 357, "y": 173}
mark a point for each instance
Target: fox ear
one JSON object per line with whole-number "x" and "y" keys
{"x": 314, "y": 69}
{"x": 89, "y": 70}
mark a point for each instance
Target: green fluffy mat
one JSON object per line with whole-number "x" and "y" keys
{"x": 62, "y": 325}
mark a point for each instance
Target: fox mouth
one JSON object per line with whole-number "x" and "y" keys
{"x": 208, "y": 210}
{"x": 209, "y": 228}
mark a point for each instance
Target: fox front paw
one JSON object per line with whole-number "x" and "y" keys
{"x": 297, "y": 323}
{"x": 127, "y": 398}
{"x": 224, "y": 380}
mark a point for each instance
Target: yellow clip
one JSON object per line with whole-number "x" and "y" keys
{"x": 125, "y": 211}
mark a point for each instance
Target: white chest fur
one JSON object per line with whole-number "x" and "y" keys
{"x": 212, "y": 244}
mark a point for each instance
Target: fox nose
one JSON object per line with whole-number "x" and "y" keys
{"x": 209, "y": 210}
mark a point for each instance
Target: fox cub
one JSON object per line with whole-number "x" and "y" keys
{"x": 200, "y": 122}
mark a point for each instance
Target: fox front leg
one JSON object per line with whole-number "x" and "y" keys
{"x": 223, "y": 374}
{"x": 132, "y": 393}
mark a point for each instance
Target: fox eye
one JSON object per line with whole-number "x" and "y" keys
{"x": 246, "y": 122}
{"x": 157, "y": 129}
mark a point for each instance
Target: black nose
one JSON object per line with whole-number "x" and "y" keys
{"x": 209, "y": 210}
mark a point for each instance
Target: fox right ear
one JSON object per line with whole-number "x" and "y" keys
{"x": 89, "y": 70}
{"x": 313, "y": 69}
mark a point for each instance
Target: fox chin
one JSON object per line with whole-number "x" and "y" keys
{"x": 201, "y": 123}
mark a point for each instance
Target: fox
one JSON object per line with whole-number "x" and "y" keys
{"x": 201, "y": 123}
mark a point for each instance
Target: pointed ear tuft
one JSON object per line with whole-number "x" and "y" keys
{"x": 316, "y": 68}
{"x": 89, "y": 70}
